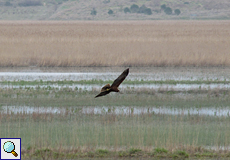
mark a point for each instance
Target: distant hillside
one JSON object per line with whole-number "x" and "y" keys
{"x": 113, "y": 9}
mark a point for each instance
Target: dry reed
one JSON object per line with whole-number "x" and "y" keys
{"x": 117, "y": 43}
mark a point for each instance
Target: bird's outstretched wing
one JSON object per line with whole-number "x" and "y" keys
{"x": 102, "y": 93}
{"x": 121, "y": 78}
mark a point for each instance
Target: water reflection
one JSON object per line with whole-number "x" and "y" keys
{"x": 77, "y": 76}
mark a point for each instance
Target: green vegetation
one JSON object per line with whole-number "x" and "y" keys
{"x": 65, "y": 96}
{"x": 168, "y": 10}
{"x": 7, "y": 3}
{"x": 151, "y": 135}
{"x": 163, "y": 7}
{"x": 72, "y": 133}
{"x": 65, "y": 93}
{"x": 110, "y": 12}
{"x": 177, "y": 11}
{"x": 160, "y": 150}
{"x": 127, "y": 10}
{"x": 145, "y": 10}
{"x": 134, "y": 8}
{"x": 93, "y": 12}
{"x": 47, "y": 153}
{"x": 27, "y": 3}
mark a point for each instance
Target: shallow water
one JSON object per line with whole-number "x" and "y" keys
{"x": 110, "y": 73}
{"x": 223, "y": 111}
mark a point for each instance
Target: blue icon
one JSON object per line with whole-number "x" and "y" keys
{"x": 9, "y": 147}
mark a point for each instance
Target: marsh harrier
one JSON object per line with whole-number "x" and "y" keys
{"x": 114, "y": 87}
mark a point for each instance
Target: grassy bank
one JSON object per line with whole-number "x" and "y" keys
{"x": 132, "y": 153}
{"x": 149, "y": 43}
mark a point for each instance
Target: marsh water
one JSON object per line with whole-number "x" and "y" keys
{"x": 110, "y": 73}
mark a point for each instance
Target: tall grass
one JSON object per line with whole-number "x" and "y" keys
{"x": 149, "y": 43}
{"x": 115, "y": 131}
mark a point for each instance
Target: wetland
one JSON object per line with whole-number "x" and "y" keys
{"x": 162, "y": 112}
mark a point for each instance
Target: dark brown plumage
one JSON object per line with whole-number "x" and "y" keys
{"x": 114, "y": 87}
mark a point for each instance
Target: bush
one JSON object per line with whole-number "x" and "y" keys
{"x": 126, "y": 10}
{"x": 177, "y": 11}
{"x": 163, "y": 7}
{"x": 160, "y": 150}
{"x": 8, "y": 3}
{"x": 181, "y": 154}
{"x": 134, "y": 8}
{"x": 148, "y": 11}
{"x": 168, "y": 10}
{"x": 142, "y": 9}
{"x": 110, "y": 12}
{"x": 145, "y": 10}
{"x": 106, "y": 1}
{"x": 28, "y": 3}
{"x": 102, "y": 151}
{"x": 93, "y": 12}
{"x": 134, "y": 150}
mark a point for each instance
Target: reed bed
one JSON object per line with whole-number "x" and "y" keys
{"x": 115, "y": 132}
{"x": 117, "y": 43}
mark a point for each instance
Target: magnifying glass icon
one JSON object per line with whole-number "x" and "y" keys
{"x": 9, "y": 147}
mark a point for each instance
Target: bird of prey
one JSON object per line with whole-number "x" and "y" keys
{"x": 114, "y": 87}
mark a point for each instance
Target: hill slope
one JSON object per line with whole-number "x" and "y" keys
{"x": 82, "y": 9}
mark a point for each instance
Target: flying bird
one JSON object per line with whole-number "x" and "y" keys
{"x": 114, "y": 87}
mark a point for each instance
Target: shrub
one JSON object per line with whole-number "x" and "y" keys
{"x": 168, "y": 10}
{"x": 106, "y": 1}
{"x": 28, "y": 3}
{"x": 110, "y": 11}
{"x": 126, "y": 10}
{"x": 177, "y": 11}
{"x": 163, "y": 7}
{"x": 8, "y": 3}
{"x": 160, "y": 150}
{"x": 142, "y": 9}
{"x": 145, "y": 10}
{"x": 148, "y": 11}
{"x": 93, "y": 12}
{"x": 134, "y": 150}
{"x": 102, "y": 151}
{"x": 182, "y": 154}
{"x": 134, "y": 8}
